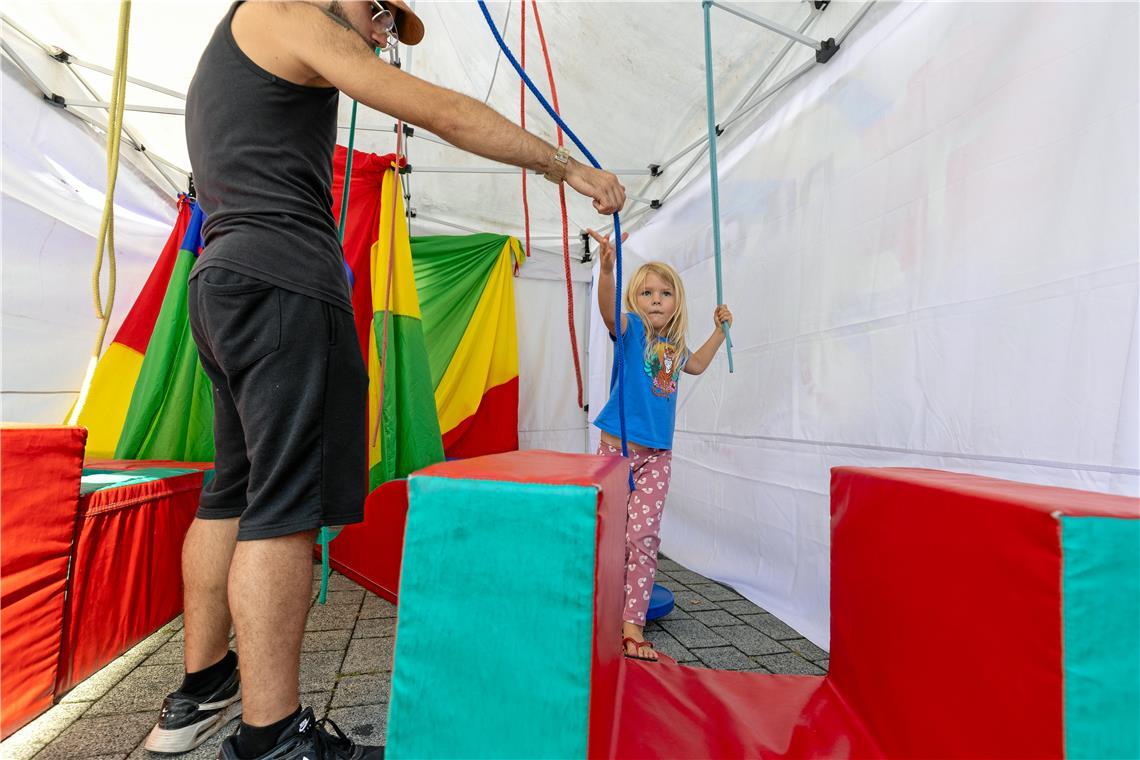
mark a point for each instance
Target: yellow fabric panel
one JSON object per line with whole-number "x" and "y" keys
{"x": 109, "y": 398}
{"x": 487, "y": 355}
{"x": 404, "y": 299}
{"x": 374, "y": 383}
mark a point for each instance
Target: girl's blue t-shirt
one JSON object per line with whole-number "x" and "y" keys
{"x": 650, "y": 390}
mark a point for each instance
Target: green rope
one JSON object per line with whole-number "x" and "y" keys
{"x": 347, "y": 173}
{"x": 325, "y": 537}
{"x": 711, "y": 111}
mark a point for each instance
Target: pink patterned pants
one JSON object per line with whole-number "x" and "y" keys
{"x": 651, "y": 468}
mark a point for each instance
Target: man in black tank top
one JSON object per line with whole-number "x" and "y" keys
{"x": 271, "y": 314}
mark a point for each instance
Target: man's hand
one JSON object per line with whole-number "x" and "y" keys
{"x": 607, "y": 254}
{"x": 605, "y": 189}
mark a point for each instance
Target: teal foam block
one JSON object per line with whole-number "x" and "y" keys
{"x": 1101, "y": 600}
{"x": 493, "y": 644}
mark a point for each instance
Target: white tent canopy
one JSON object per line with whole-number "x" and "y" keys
{"x": 930, "y": 241}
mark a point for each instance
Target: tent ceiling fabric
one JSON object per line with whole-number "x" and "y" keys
{"x": 629, "y": 75}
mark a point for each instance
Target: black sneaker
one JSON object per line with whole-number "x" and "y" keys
{"x": 186, "y": 721}
{"x": 308, "y": 739}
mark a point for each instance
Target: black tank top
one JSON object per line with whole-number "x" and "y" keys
{"x": 261, "y": 151}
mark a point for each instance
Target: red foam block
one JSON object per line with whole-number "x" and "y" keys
{"x": 126, "y": 570}
{"x": 673, "y": 711}
{"x": 946, "y": 610}
{"x": 40, "y": 469}
{"x": 369, "y": 552}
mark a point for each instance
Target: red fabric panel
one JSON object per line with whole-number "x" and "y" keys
{"x": 39, "y": 489}
{"x": 946, "y": 611}
{"x": 494, "y": 428}
{"x": 670, "y": 710}
{"x": 532, "y": 466}
{"x": 361, "y": 227}
{"x": 370, "y": 552}
{"x": 609, "y": 576}
{"x": 126, "y": 573}
{"x": 139, "y": 323}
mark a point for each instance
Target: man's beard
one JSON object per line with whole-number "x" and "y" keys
{"x": 335, "y": 11}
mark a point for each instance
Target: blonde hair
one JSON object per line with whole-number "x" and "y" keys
{"x": 675, "y": 329}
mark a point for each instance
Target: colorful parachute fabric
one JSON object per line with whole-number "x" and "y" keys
{"x": 466, "y": 289}
{"x": 435, "y": 319}
{"x": 459, "y": 306}
{"x": 402, "y": 423}
{"x": 149, "y": 398}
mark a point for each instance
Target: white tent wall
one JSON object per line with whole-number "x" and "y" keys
{"x": 54, "y": 181}
{"x": 549, "y": 416}
{"x": 930, "y": 242}
{"x": 930, "y": 246}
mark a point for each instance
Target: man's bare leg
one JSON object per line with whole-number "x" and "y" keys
{"x": 206, "y": 556}
{"x": 270, "y": 588}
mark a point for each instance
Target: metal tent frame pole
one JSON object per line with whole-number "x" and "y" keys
{"x": 824, "y": 49}
{"x": 820, "y": 46}
{"x": 128, "y": 137}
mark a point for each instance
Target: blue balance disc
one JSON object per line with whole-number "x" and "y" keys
{"x": 660, "y": 603}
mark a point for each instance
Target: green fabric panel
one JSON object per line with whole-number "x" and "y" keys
{"x": 171, "y": 415}
{"x": 100, "y": 480}
{"x": 410, "y": 425}
{"x": 512, "y": 564}
{"x": 1101, "y": 593}
{"x": 451, "y": 273}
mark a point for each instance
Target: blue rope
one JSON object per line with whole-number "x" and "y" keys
{"x": 619, "y": 351}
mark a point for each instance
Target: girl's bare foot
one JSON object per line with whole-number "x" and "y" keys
{"x": 633, "y": 639}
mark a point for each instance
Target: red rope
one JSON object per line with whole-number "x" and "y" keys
{"x": 522, "y": 123}
{"x": 565, "y": 218}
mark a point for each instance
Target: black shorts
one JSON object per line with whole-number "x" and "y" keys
{"x": 290, "y": 406}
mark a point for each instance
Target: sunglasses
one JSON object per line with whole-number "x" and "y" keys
{"x": 387, "y": 21}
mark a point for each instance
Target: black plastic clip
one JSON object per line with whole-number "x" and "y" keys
{"x": 56, "y": 100}
{"x": 821, "y": 5}
{"x": 409, "y": 131}
{"x": 406, "y": 169}
{"x": 655, "y": 203}
{"x": 62, "y": 55}
{"x": 586, "y": 255}
{"x": 828, "y": 48}
{"x": 719, "y": 130}
{"x": 655, "y": 170}
{"x": 191, "y": 191}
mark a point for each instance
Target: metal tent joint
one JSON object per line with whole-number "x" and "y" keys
{"x": 827, "y": 49}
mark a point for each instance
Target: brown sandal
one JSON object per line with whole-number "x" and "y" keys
{"x": 637, "y": 645}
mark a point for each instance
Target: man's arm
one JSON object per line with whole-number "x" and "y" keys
{"x": 339, "y": 56}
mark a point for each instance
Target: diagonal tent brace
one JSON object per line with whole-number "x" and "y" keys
{"x": 711, "y": 109}
{"x": 824, "y": 49}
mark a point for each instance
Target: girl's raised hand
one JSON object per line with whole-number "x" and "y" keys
{"x": 607, "y": 254}
{"x": 721, "y": 315}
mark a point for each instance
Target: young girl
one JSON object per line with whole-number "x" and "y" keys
{"x": 653, "y": 336}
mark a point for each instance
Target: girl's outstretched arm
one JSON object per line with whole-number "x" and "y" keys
{"x": 606, "y": 286}
{"x": 700, "y": 359}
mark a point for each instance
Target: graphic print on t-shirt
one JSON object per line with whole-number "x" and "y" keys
{"x": 662, "y": 367}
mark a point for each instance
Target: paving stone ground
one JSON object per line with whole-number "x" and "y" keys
{"x": 346, "y": 668}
